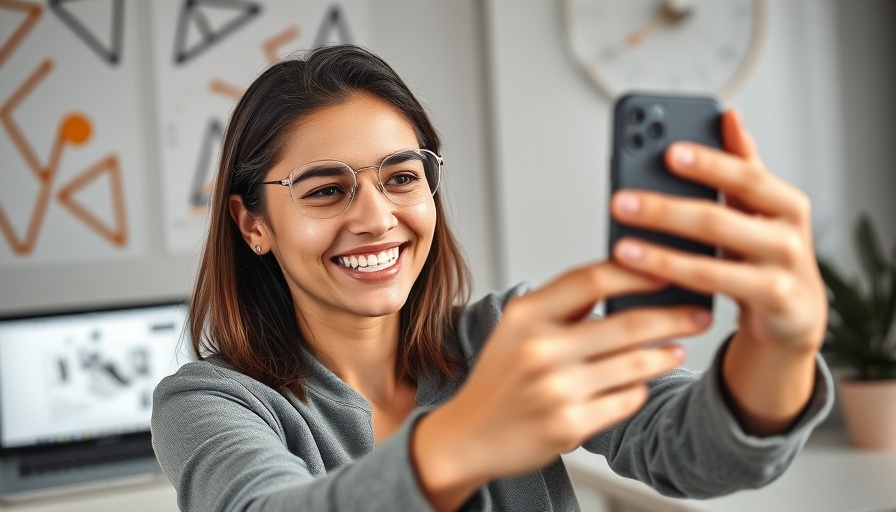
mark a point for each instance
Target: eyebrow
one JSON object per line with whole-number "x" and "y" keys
{"x": 405, "y": 155}
{"x": 320, "y": 172}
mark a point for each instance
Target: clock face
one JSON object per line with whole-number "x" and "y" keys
{"x": 696, "y": 46}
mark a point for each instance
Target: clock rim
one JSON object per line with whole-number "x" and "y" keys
{"x": 576, "y": 44}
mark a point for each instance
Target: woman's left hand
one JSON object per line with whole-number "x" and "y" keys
{"x": 768, "y": 268}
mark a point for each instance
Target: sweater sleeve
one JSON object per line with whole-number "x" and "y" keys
{"x": 686, "y": 442}
{"x": 223, "y": 449}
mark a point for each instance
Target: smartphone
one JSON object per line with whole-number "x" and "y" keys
{"x": 644, "y": 125}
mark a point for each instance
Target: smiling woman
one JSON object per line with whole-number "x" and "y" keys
{"x": 342, "y": 368}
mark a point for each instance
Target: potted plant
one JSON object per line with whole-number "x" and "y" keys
{"x": 861, "y": 339}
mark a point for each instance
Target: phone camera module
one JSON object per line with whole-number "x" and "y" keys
{"x": 637, "y": 115}
{"x": 655, "y": 130}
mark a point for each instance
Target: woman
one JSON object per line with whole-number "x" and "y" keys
{"x": 343, "y": 370}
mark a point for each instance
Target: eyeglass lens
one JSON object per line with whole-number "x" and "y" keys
{"x": 324, "y": 189}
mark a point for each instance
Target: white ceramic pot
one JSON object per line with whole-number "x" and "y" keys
{"x": 869, "y": 412}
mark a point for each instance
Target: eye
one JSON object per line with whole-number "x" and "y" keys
{"x": 403, "y": 178}
{"x": 324, "y": 192}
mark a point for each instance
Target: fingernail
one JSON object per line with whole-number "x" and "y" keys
{"x": 683, "y": 156}
{"x": 702, "y": 317}
{"x": 677, "y": 351}
{"x": 736, "y": 115}
{"x": 629, "y": 250}
{"x": 628, "y": 203}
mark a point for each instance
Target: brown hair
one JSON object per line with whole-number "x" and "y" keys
{"x": 241, "y": 307}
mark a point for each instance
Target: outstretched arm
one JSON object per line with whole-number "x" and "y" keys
{"x": 769, "y": 269}
{"x": 546, "y": 381}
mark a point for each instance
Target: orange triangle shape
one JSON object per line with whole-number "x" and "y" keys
{"x": 32, "y": 14}
{"x": 117, "y": 235}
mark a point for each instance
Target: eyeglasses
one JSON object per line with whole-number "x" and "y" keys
{"x": 324, "y": 189}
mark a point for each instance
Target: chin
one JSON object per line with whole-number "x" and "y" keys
{"x": 376, "y": 312}
{"x": 377, "y": 305}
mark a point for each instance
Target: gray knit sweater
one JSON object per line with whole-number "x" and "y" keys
{"x": 228, "y": 442}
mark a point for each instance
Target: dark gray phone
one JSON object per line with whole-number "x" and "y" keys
{"x": 643, "y": 127}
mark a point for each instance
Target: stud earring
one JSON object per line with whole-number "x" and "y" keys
{"x": 258, "y": 248}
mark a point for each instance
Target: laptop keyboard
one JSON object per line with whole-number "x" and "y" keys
{"x": 78, "y": 459}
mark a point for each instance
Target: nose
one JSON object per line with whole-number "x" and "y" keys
{"x": 370, "y": 211}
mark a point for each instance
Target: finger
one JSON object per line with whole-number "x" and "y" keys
{"x": 569, "y": 295}
{"x": 744, "y": 180}
{"x": 763, "y": 286}
{"x": 608, "y": 409}
{"x": 620, "y": 370}
{"x": 735, "y": 137}
{"x": 633, "y": 327}
{"x": 757, "y": 238}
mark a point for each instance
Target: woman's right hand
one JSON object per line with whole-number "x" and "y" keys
{"x": 546, "y": 381}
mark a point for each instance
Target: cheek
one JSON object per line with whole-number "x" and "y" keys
{"x": 423, "y": 220}
{"x": 297, "y": 239}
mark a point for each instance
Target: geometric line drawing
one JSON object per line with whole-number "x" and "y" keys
{"x": 44, "y": 174}
{"x": 191, "y": 12}
{"x": 25, "y": 245}
{"x": 110, "y": 54}
{"x": 200, "y": 194}
{"x": 75, "y": 129}
{"x": 32, "y": 11}
{"x": 274, "y": 43}
{"x": 333, "y": 19}
{"x": 117, "y": 234}
{"x": 270, "y": 47}
{"x": 223, "y": 88}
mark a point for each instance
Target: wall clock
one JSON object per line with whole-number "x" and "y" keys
{"x": 693, "y": 46}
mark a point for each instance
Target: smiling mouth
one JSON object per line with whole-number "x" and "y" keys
{"x": 369, "y": 262}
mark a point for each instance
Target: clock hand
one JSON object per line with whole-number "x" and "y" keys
{"x": 671, "y": 12}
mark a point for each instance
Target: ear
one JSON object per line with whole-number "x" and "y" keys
{"x": 253, "y": 228}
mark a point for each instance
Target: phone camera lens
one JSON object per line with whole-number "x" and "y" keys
{"x": 655, "y": 130}
{"x": 637, "y": 141}
{"x": 637, "y": 116}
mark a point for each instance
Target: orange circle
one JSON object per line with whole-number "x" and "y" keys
{"x": 76, "y": 129}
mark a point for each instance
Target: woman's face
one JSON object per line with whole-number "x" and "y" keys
{"x": 360, "y": 132}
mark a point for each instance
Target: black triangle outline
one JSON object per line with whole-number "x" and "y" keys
{"x": 111, "y": 56}
{"x": 188, "y": 13}
{"x": 213, "y": 133}
{"x": 333, "y": 17}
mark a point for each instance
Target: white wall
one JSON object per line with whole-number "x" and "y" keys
{"x": 867, "y": 101}
{"x": 552, "y": 133}
{"x": 440, "y": 55}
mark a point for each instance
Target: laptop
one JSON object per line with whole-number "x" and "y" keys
{"x": 76, "y": 395}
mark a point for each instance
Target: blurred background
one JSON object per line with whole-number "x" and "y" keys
{"x": 112, "y": 113}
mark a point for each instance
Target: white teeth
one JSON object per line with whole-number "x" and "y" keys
{"x": 371, "y": 262}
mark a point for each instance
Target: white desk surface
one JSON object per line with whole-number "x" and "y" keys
{"x": 154, "y": 495}
{"x": 827, "y": 476}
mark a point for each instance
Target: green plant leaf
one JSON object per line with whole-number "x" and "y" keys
{"x": 872, "y": 259}
{"x": 846, "y": 299}
{"x": 889, "y": 306}
{"x": 847, "y": 343}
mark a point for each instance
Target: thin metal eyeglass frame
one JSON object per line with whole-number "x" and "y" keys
{"x": 287, "y": 182}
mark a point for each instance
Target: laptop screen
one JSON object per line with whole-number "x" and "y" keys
{"x": 86, "y": 375}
